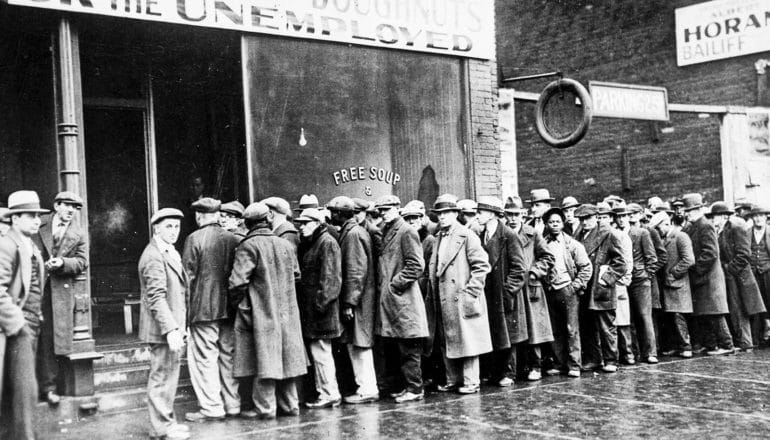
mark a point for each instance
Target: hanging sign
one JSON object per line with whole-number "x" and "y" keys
{"x": 721, "y": 29}
{"x": 457, "y": 27}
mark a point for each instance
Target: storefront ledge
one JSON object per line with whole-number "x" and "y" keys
{"x": 78, "y": 373}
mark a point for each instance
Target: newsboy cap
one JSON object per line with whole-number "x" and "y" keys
{"x": 413, "y": 208}
{"x": 206, "y": 205}
{"x": 235, "y": 208}
{"x": 69, "y": 198}
{"x": 278, "y": 205}
{"x": 165, "y": 213}
{"x": 586, "y": 210}
{"x": 387, "y": 201}
{"x": 341, "y": 203}
{"x": 361, "y": 204}
{"x": 310, "y": 215}
{"x": 256, "y": 211}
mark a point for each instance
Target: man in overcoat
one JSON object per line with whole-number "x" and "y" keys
{"x": 163, "y": 319}
{"x": 208, "y": 259}
{"x": 458, "y": 271}
{"x": 22, "y": 278}
{"x": 597, "y": 326}
{"x": 63, "y": 245}
{"x": 743, "y": 297}
{"x": 707, "y": 280}
{"x": 676, "y": 298}
{"x": 503, "y": 290}
{"x": 401, "y": 315}
{"x": 357, "y": 298}
{"x": 760, "y": 266}
{"x": 268, "y": 331}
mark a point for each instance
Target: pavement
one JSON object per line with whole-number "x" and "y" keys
{"x": 702, "y": 397}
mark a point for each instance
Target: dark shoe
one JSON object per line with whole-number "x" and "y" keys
{"x": 360, "y": 398}
{"x": 52, "y": 398}
{"x": 409, "y": 397}
{"x": 447, "y": 388}
{"x": 323, "y": 403}
{"x": 468, "y": 389}
{"x": 200, "y": 417}
{"x": 294, "y": 412}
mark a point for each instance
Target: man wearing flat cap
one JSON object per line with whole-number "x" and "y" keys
{"x": 363, "y": 217}
{"x": 310, "y": 201}
{"x": 63, "y": 245}
{"x": 268, "y": 332}
{"x": 231, "y": 218}
{"x": 22, "y": 278}
{"x": 163, "y": 319}
{"x": 208, "y": 259}
{"x": 278, "y": 220}
{"x": 760, "y": 266}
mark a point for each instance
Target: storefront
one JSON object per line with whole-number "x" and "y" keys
{"x": 140, "y": 104}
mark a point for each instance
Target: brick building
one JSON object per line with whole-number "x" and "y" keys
{"x": 630, "y": 42}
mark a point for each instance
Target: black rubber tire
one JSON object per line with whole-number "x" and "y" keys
{"x": 587, "y": 105}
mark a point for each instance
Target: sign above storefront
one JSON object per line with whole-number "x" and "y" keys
{"x": 627, "y": 101}
{"x": 458, "y": 27}
{"x": 721, "y": 29}
{"x": 352, "y": 174}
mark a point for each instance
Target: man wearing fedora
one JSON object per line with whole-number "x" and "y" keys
{"x": 468, "y": 215}
{"x": 458, "y": 270}
{"x": 707, "y": 280}
{"x": 743, "y": 296}
{"x": 279, "y": 222}
{"x": 568, "y": 207}
{"x": 63, "y": 245}
{"x": 163, "y": 319}
{"x": 514, "y": 213}
{"x": 22, "y": 278}
{"x": 540, "y": 202}
{"x": 760, "y": 266}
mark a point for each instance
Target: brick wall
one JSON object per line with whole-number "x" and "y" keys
{"x": 626, "y": 41}
{"x": 485, "y": 146}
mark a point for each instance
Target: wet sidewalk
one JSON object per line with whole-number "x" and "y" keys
{"x": 703, "y": 397}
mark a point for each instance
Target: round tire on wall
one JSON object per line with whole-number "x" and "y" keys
{"x": 557, "y": 121}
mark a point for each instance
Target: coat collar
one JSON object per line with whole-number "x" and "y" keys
{"x": 493, "y": 245}
{"x": 347, "y": 227}
{"x": 25, "y": 251}
{"x": 526, "y": 234}
{"x": 455, "y": 239}
{"x": 391, "y": 230}
{"x": 176, "y": 266}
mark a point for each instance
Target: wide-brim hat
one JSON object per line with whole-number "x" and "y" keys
{"x": 569, "y": 202}
{"x": 165, "y": 213}
{"x": 603, "y": 208}
{"x": 692, "y": 201}
{"x": 514, "y": 206}
{"x": 540, "y": 195}
{"x": 662, "y": 207}
{"x": 719, "y": 208}
{"x": 446, "y": 202}
{"x": 621, "y": 209}
{"x": 69, "y": 198}
{"x": 490, "y": 203}
{"x": 307, "y": 201}
{"x": 757, "y": 209}
{"x": 24, "y": 201}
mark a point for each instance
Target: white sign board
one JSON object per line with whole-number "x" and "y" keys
{"x": 507, "y": 130}
{"x": 627, "y": 101}
{"x": 721, "y": 29}
{"x": 459, "y": 27}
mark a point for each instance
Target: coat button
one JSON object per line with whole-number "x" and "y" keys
{"x": 457, "y": 298}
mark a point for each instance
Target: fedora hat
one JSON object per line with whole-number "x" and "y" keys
{"x": 307, "y": 201}
{"x": 653, "y": 201}
{"x": 467, "y": 206}
{"x": 719, "y": 208}
{"x": 621, "y": 209}
{"x": 540, "y": 195}
{"x": 757, "y": 209}
{"x": 446, "y": 202}
{"x": 743, "y": 203}
{"x": 603, "y": 208}
{"x": 692, "y": 201}
{"x": 489, "y": 203}
{"x": 569, "y": 202}
{"x": 514, "y": 206}
{"x": 662, "y": 207}
{"x": 24, "y": 201}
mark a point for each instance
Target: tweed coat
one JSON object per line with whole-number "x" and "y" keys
{"x": 707, "y": 280}
{"x": 606, "y": 254}
{"x": 504, "y": 288}
{"x": 359, "y": 284}
{"x": 66, "y": 281}
{"x": 320, "y": 264}
{"x": 735, "y": 255}
{"x": 208, "y": 260}
{"x": 268, "y": 331}
{"x": 675, "y": 282}
{"x": 164, "y": 294}
{"x": 538, "y": 260}
{"x": 288, "y": 232}
{"x": 458, "y": 271}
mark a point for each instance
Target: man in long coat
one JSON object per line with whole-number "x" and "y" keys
{"x": 63, "y": 245}
{"x": 707, "y": 280}
{"x": 401, "y": 315}
{"x": 503, "y": 291}
{"x": 22, "y": 275}
{"x": 743, "y": 296}
{"x": 163, "y": 320}
{"x": 268, "y": 332}
{"x": 358, "y": 296}
{"x": 760, "y": 266}
{"x": 597, "y": 326}
{"x": 208, "y": 260}
{"x": 458, "y": 270}
{"x": 676, "y": 298}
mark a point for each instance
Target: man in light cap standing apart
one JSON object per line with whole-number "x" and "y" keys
{"x": 278, "y": 220}
{"x": 163, "y": 319}
{"x": 63, "y": 245}
{"x": 208, "y": 259}
{"x": 22, "y": 276}
{"x": 268, "y": 332}
{"x": 401, "y": 309}
{"x": 359, "y": 293}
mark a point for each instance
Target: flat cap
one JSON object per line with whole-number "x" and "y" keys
{"x": 278, "y": 205}
{"x": 206, "y": 205}
{"x": 587, "y": 210}
{"x": 310, "y": 215}
{"x": 489, "y": 203}
{"x": 413, "y": 208}
{"x": 70, "y": 198}
{"x": 361, "y": 204}
{"x": 341, "y": 203}
{"x": 256, "y": 211}
{"x": 165, "y": 213}
{"x": 235, "y": 208}
{"x": 387, "y": 200}
{"x": 658, "y": 218}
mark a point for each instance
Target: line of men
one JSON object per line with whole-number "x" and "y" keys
{"x": 491, "y": 292}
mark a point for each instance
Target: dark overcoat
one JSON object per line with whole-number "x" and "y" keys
{"x": 401, "y": 308}
{"x": 606, "y": 254}
{"x": 660, "y": 251}
{"x": 735, "y": 255}
{"x": 164, "y": 294}
{"x": 320, "y": 286}
{"x": 66, "y": 283}
{"x": 504, "y": 288}
{"x": 359, "y": 284}
{"x": 707, "y": 280}
{"x": 538, "y": 261}
{"x": 428, "y": 246}
{"x": 208, "y": 259}
{"x": 458, "y": 270}
{"x": 268, "y": 332}
{"x": 674, "y": 277}
{"x": 288, "y": 232}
